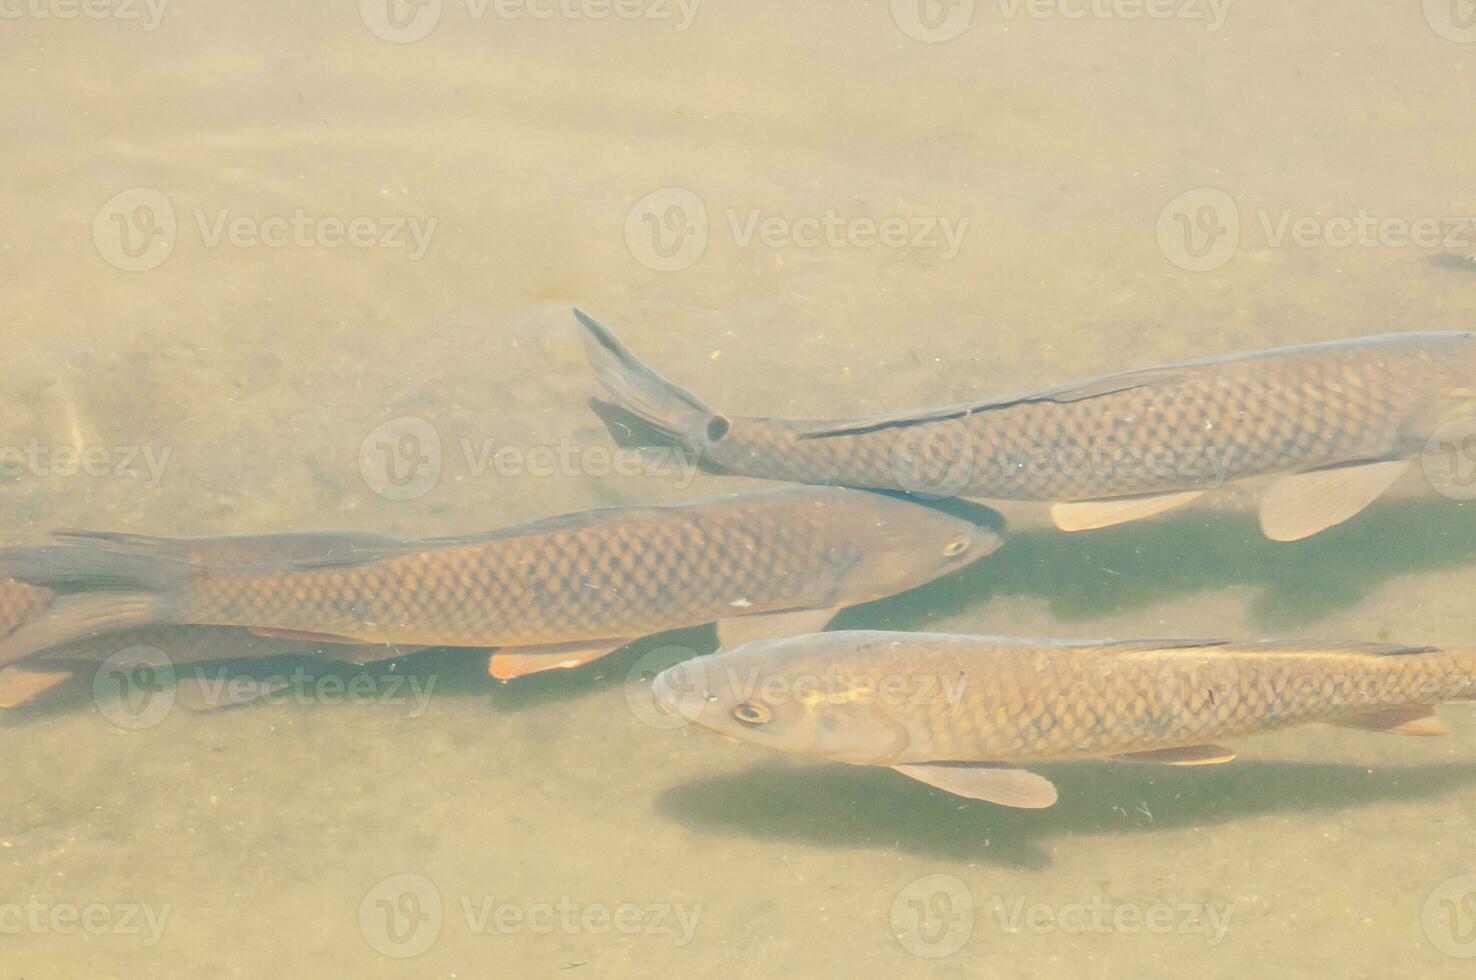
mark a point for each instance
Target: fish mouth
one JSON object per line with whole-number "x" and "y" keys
{"x": 664, "y": 694}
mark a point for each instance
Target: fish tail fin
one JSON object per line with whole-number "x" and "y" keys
{"x": 102, "y": 591}
{"x": 665, "y": 413}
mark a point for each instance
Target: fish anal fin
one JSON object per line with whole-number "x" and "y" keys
{"x": 1300, "y": 505}
{"x": 1184, "y": 755}
{"x": 522, "y": 661}
{"x": 992, "y": 783}
{"x": 1089, "y": 515}
{"x": 772, "y": 626}
{"x": 1416, "y": 719}
{"x": 19, "y": 686}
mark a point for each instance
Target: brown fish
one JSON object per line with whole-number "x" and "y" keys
{"x": 555, "y": 593}
{"x": 1338, "y": 422}
{"x": 963, "y": 712}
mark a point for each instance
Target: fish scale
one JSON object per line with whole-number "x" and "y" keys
{"x": 1103, "y": 699}
{"x": 628, "y": 573}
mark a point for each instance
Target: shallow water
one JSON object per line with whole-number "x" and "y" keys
{"x": 550, "y": 831}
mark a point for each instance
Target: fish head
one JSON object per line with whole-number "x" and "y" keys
{"x": 898, "y": 544}
{"x": 805, "y": 695}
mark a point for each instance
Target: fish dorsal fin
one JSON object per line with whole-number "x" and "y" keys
{"x": 1077, "y": 391}
{"x": 505, "y": 665}
{"x": 772, "y": 626}
{"x": 1088, "y": 515}
{"x": 239, "y": 549}
{"x": 1414, "y": 719}
{"x": 1300, "y": 505}
{"x": 992, "y": 782}
{"x": 1183, "y": 755}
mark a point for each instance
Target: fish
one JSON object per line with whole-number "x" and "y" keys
{"x": 555, "y": 593}
{"x": 1335, "y": 423}
{"x": 23, "y": 602}
{"x": 971, "y": 714}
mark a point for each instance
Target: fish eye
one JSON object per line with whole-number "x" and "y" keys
{"x": 956, "y": 547}
{"x": 752, "y": 714}
{"x": 717, "y": 427}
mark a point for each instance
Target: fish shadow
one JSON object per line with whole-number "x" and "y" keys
{"x": 839, "y": 806}
{"x": 1095, "y": 573}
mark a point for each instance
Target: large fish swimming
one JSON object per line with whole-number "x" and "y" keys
{"x": 555, "y": 593}
{"x": 964, "y": 713}
{"x": 1337, "y": 422}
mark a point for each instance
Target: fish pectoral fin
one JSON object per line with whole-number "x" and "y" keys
{"x": 1300, "y": 505}
{"x": 772, "y": 626}
{"x": 20, "y": 686}
{"x": 198, "y": 694}
{"x": 1183, "y": 755}
{"x": 303, "y": 636}
{"x": 993, "y": 783}
{"x": 1088, "y": 515}
{"x": 1415, "y": 719}
{"x": 522, "y": 661}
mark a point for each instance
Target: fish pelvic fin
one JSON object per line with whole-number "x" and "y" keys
{"x": 666, "y": 414}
